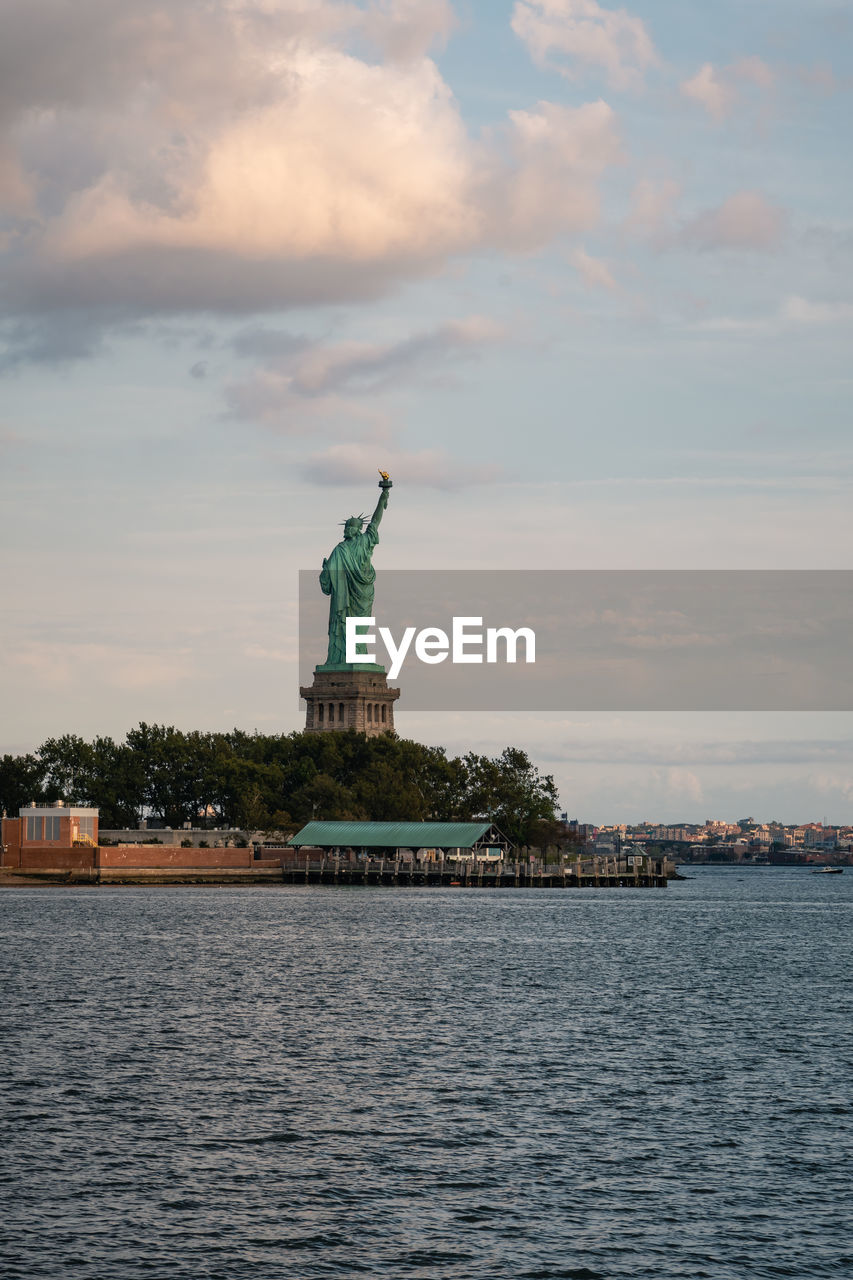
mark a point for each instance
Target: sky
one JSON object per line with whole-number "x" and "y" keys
{"x": 577, "y": 275}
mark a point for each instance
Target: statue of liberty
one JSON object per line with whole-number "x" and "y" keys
{"x": 348, "y": 576}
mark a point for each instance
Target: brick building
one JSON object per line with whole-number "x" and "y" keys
{"x": 54, "y": 835}
{"x": 64, "y": 838}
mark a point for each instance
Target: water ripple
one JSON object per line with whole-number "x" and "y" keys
{"x": 259, "y": 1085}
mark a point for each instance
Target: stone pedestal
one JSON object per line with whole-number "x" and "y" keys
{"x": 350, "y": 698}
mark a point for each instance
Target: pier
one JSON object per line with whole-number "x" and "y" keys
{"x": 324, "y": 870}
{"x": 593, "y": 873}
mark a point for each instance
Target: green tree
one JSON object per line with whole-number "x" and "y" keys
{"x": 116, "y": 784}
{"x": 67, "y": 765}
{"x": 510, "y": 790}
{"x": 264, "y": 781}
{"x": 21, "y": 781}
{"x": 170, "y": 789}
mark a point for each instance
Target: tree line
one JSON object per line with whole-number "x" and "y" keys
{"x": 277, "y": 782}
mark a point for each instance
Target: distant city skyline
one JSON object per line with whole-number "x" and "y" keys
{"x": 577, "y": 274}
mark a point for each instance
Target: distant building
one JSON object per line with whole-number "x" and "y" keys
{"x": 58, "y": 824}
{"x": 48, "y": 839}
{"x": 50, "y": 835}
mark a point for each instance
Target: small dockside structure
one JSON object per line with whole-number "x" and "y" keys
{"x": 453, "y": 854}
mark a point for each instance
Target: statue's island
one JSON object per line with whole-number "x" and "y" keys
{"x": 351, "y": 695}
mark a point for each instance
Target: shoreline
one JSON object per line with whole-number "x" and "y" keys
{"x": 11, "y": 878}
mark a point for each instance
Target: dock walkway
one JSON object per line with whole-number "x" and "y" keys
{"x": 608, "y": 874}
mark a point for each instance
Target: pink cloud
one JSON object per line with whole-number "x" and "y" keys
{"x": 407, "y": 29}
{"x": 754, "y": 70}
{"x": 651, "y": 208}
{"x": 594, "y": 272}
{"x": 819, "y": 76}
{"x": 747, "y": 220}
{"x": 253, "y": 160}
{"x": 307, "y": 384}
{"x": 558, "y": 155}
{"x": 719, "y": 90}
{"x": 710, "y": 91}
{"x": 569, "y": 34}
{"x": 352, "y": 160}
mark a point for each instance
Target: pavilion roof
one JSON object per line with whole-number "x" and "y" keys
{"x": 392, "y": 835}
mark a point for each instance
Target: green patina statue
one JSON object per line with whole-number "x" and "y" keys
{"x": 348, "y": 576}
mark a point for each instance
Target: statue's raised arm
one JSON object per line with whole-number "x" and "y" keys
{"x": 385, "y": 485}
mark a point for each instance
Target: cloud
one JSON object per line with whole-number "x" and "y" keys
{"x": 569, "y": 34}
{"x": 550, "y": 184}
{"x": 49, "y": 340}
{"x": 820, "y": 77}
{"x": 339, "y": 391}
{"x": 366, "y": 367}
{"x": 268, "y": 397}
{"x": 735, "y": 753}
{"x": 354, "y": 169}
{"x": 16, "y": 192}
{"x": 304, "y": 382}
{"x": 677, "y": 785}
{"x": 343, "y": 464}
{"x": 266, "y": 343}
{"x": 794, "y": 312}
{"x": 719, "y": 89}
{"x": 407, "y": 29}
{"x": 710, "y": 92}
{"x": 673, "y": 640}
{"x": 753, "y": 70}
{"x": 595, "y": 273}
{"x": 268, "y": 655}
{"x": 63, "y": 666}
{"x": 832, "y": 784}
{"x": 186, "y": 58}
{"x": 651, "y": 207}
{"x": 11, "y": 442}
{"x": 800, "y": 311}
{"x": 746, "y": 220}
{"x": 241, "y": 156}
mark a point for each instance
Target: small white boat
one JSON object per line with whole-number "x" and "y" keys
{"x": 829, "y": 871}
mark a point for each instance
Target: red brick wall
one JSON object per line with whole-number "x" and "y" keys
{"x": 9, "y": 842}
{"x": 49, "y": 857}
{"x": 172, "y": 856}
{"x": 11, "y": 838}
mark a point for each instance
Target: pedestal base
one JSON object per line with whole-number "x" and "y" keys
{"x": 341, "y": 700}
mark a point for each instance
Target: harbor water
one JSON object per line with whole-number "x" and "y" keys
{"x": 264, "y": 1083}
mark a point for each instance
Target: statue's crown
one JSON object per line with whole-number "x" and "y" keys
{"x": 354, "y": 522}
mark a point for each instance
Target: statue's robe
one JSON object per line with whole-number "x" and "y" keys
{"x": 348, "y": 577}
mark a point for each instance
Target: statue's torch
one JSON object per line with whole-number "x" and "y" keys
{"x": 386, "y": 481}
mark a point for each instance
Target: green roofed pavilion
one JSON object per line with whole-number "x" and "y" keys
{"x": 401, "y": 835}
